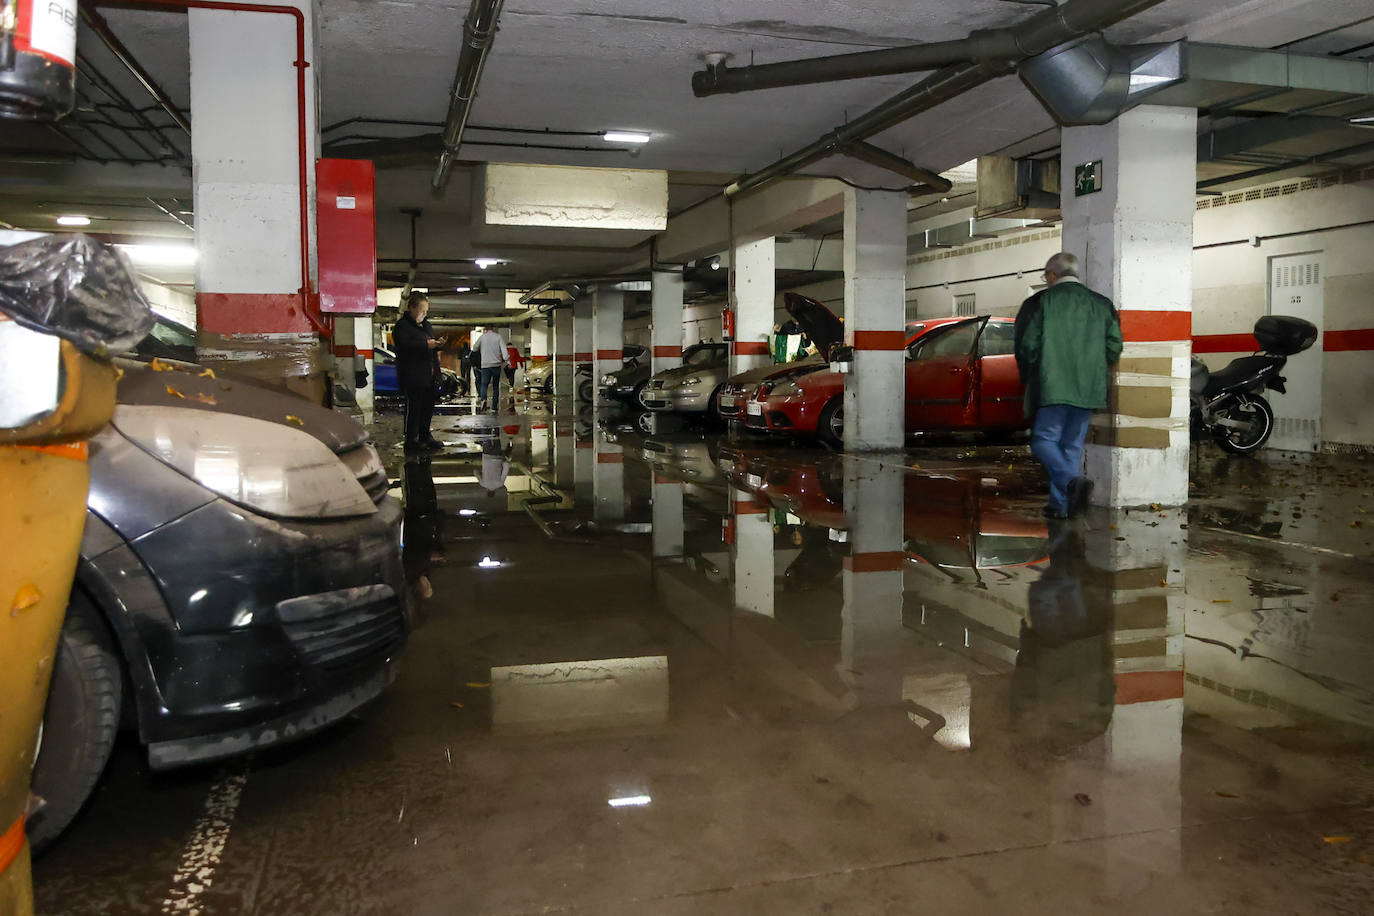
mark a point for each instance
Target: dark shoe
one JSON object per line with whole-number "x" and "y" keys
{"x": 1080, "y": 491}
{"x": 434, "y": 445}
{"x": 1054, "y": 512}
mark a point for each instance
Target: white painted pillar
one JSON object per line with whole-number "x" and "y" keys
{"x": 342, "y": 351}
{"x": 608, "y": 480}
{"x": 875, "y": 318}
{"x": 564, "y": 461}
{"x": 564, "y": 352}
{"x": 247, "y": 162}
{"x": 668, "y": 530}
{"x": 667, "y": 333}
{"x": 584, "y": 471}
{"x": 753, "y": 271}
{"x": 608, "y": 331}
{"x": 1135, "y": 237}
{"x": 754, "y": 562}
{"x": 871, "y": 620}
{"x": 362, "y": 340}
{"x": 540, "y": 335}
{"x": 583, "y": 351}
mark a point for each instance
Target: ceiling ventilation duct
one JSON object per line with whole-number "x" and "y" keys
{"x": 1091, "y": 81}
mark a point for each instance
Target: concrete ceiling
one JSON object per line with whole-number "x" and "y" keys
{"x": 591, "y": 65}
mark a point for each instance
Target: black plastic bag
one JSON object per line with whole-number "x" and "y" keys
{"x": 77, "y": 288}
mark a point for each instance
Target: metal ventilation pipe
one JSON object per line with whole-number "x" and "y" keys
{"x": 479, "y": 31}
{"x": 1040, "y": 33}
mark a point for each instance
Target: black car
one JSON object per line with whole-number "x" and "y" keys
{"x": 239, "y": 585}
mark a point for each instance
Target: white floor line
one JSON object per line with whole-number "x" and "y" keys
{"x": 196, "y": 871}
{"x": 1312, "y": 548}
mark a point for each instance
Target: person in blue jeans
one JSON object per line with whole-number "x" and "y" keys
{"x": 489, "y": 356}
{"x": 1067, "y": 336}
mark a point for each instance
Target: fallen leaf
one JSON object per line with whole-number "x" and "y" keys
{"x": 119, "y": 373}
{"x": 1155, "y": 507}
{"x": 292, "y": 418}
{"x": 1221, "y": 600}
{"x": 174, "y": 393}
{"x": 1083, "y": 799}
{"x": 207, "y": 373}
{"x": 479, "y": 684}
{"x": 1335, "y": 840}
{"x": 455, "y": 703}
{"x": 25, "y": 598}
{"x": 206, "y": 398}
{"x": 1227, "y": 794}
{"x": 158, "y": 365}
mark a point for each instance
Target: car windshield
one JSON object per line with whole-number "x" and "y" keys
{"x": 700, "y": 356}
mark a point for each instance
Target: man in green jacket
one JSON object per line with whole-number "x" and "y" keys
{"x": 1066, "y": 338}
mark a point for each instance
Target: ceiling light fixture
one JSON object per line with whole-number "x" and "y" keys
{"x": 73, "y": 219}
{"x": 488, "y": 563}
{"x": 484, "y": 263}
{"x": 629, "y": 801}
{"x": 626, "y": 136}
{"x": 462, "y": 289}
{"x": 160, "y": 255}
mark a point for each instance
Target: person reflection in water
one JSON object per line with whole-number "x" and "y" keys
{"x": 1063, "y": 691}
{"x": 495, "y": 464}
{"x": 424, "y": 541}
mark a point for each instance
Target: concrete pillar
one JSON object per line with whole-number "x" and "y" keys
{"x": 343, "y": 350}
{"x": 362, "y": 341}
{"x": 247, "y": 172}
{"x": 1135, "y": 237}
{"x": 754, "y": 561}
{"x": 564, "y": 462}
{"x": 753, "y": 270}
{"x": 564, "y": 352}
{"x": 608, "y": 331}
{"x": 608, "y": 480}
{"x": 582, "y": 341}
{"x": 584, "y": 471}
{"x": 667, "y": 319}
{"x": 668, "y": 531}
{"x": 540, "y": 336}
{"x": 871, "y": 620}
{"x": 875, "y": 318}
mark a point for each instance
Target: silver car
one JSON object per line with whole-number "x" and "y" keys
{"x": 693, "y": 387}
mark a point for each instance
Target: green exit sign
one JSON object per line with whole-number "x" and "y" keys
{"x": 1087, "y": 178}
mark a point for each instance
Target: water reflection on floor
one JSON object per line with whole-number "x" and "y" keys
{"x": 680, "y": 673}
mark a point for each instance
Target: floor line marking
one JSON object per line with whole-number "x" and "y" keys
{"x": 201, "y": 856}
{"x": 1277, "y": 543}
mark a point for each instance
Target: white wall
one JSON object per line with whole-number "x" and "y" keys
{"x": 169, "y": 302}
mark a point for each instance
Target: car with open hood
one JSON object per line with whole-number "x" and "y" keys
{"x": 692, "y": 388}
{"x": 239, "y": 583}
{"x": 960, "y": 373}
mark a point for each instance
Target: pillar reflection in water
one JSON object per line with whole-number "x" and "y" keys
{"x": 752, "y": 553}
{"x": 871, "y": 622}
{"x": 608, "y": 478}
{"x": 668, "y": 523}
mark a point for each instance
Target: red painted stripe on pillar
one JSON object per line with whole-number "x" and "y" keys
{"x": 749, "y": 507}
{"x": 667, "y": 351}
{"x": 750, "y": 348}
{"x": 563, "y": 358}
{"x": 663, "y": 478}
{"x": 582, "y": 444}
{"x": 878, "y": 561}
{"x": 582, "y": 357}
{"x": 1345, "y": 341}
{"x": 610, "y": 458}
{"x": 251, "y": 313}
{"x": 1143, "y": 325}
{"x": 608, "y": 354}
{"x": 1225, "y": 343}
{"x": 365, "y": 354}
{"x": 344, "y": 351}
{"x": 1146, "y": 686}
{"x": 880, "y": 340}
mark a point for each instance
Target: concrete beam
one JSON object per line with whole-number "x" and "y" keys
{"x": 780, "y": 207}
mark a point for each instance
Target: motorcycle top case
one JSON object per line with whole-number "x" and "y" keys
{"x": 1284, "y": 334}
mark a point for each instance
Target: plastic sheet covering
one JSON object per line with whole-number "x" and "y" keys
{"x": 77, "y": 288}
{"x": 264, "y": 356}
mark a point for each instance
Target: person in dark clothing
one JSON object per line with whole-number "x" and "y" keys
{"x": 465, "y": 365}
{"x": 1067, "y": 338}
{"x": 417, "y": 370}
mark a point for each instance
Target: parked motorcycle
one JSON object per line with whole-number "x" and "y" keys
{"x": 1227, "y": 405}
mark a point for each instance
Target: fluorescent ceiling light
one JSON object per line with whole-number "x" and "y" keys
{"x": 484, "y": 263}
{"x": 462, "y": 289}
{"x": 73, "y": 220}
{"x": 467, "y": 512}
{"x": 160, "y": 255}
{"x": 625, "y": 136}
{"x": 488, "y": 563}
{"x": 629, "y": 801}
{"x": 452, "y": 480}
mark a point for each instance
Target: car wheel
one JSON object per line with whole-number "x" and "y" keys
{"x": 79, "y": 723}
{"x": 645, "y": 423}
{"x": 713, "y": 405}
{"x": 830, "y": 424}
{"x": 548, "y": 388}
{"x": 586, "y": 391}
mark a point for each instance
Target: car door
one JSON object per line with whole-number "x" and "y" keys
{"x": 941, "y": 377}
{"x": 1001, "y": 395}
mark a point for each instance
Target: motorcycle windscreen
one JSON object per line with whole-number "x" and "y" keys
{"x": 940, "y": 378}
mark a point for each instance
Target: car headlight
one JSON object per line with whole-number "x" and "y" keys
{"x": 694, "y": 380}
{"x": 265, "y": 466}
{"x": 608, "y": 380}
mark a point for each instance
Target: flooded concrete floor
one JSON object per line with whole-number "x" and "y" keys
{"x": 683, "y": 674}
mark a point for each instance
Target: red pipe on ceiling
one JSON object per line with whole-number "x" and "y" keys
{"x": 306, "y": 291}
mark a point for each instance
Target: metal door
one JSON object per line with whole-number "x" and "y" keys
{"x": 1296, "y": 284}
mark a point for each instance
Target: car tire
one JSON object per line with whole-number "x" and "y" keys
{"x": 79, "y": 723}
{"x": 830, "y": 424}
{"x": 713, "y": 405}
{"x": 586, "y": 391}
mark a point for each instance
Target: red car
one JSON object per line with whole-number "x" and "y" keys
{"x": 960, "y": 375}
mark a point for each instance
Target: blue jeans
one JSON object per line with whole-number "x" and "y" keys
{"x": 1057, "y": 442}
{"x": 490, "y": 376}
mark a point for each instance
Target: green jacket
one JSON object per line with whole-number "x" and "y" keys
{"x": 1066, "y": 337}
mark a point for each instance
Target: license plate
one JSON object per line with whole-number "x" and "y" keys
{"x": 754, "y": 480}
{"x": 727, "y": 400}
{"x": 754, "y": 408}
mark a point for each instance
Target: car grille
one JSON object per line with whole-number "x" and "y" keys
{"x": 336, "y": 629}
{"x": 656, "y": 384}
{"x": 653, "y": 403}
{"x": 366, "y": 466}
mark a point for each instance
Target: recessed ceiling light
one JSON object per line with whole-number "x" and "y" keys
{"x": 484, "y": 263}
{"x": 462, "y": 289}
{"x": 625, "y": 136}
{"x": 629, "y": 801}
{"x": 73, "y": 219}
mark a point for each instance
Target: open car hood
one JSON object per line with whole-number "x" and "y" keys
{"x": 817, "y": 321}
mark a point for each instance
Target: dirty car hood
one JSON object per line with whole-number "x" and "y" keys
{"x": 676, "y": 375}
{"x": 183, "y": 385}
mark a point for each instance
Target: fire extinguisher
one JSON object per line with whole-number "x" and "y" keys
{"x": 727, "y": 323}
{"x": 37, "y": 59}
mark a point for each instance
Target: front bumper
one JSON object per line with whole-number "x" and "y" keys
{"x": 791, "y": 415}
{"x": 243, "y": 631}
{"x": 694, "y": 399}
{"x": 625, "y": 393}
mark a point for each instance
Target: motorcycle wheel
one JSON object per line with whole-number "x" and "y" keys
{"x": 1252, "y": 410}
